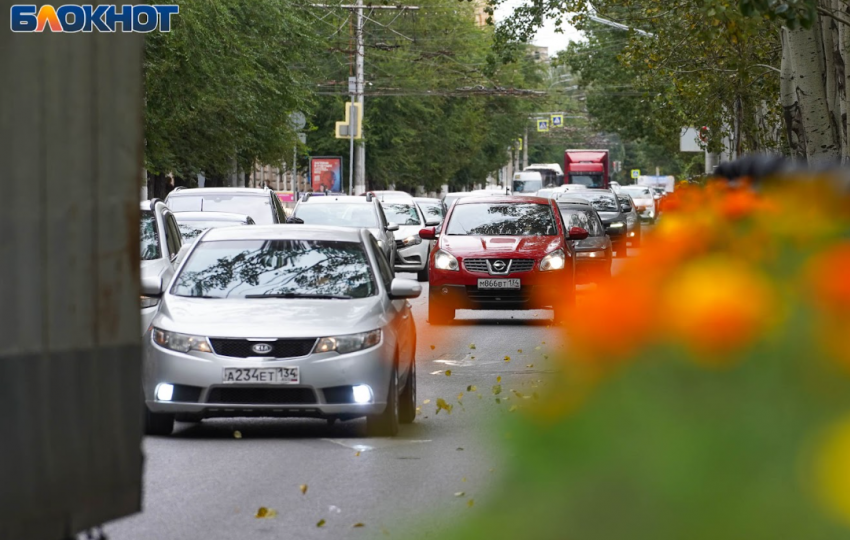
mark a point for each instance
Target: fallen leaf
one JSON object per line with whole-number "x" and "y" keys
{"x": 460, "y": 494}
{"x": 480, "y": 396}
{"x": 303, "y": 489}
{"x": 543, "y": 342}
{"x": 497, "y": 389}
{"x": 237, "y": 434}
{"x": 448, "y": 373}
{"x": 265, "y": 513}
{"x": 498, "y": 401}
{"x": 471, "y": 388}
{"x": 529, "y": 365}
{"x": 507, "y": 358}
{"x": 537, "y": 348}
{"x": 459, "y": 449}
{"x": 426, "y": 402}
{"x": 517, "y": 394}
{"x": 499, "y": 378}
{"x": 519, "y": 351}
{"x": 512, "y": 409}
{"x": 418, "y": 410}
{"x": 463, "y": 479}
{"x": 357, "y": 454}
{"x": 546, "y": 357}
{"x": 472, "y": 345}
{"x": 470, "y": 503}
{"x": 433, "y": 347}
{"x": 357, "y": 525}
{"x": 321, "y": 523}
{"x": 442, "y": 405}
{"x": 460, "y": 396}
{"x": 472, "y": 358}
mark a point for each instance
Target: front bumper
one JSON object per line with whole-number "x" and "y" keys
{"x": 412, "y": 258}
{"x": 147, "y": 316}
{"x": 590, "y": 270}
{"x": 324, "y": 377}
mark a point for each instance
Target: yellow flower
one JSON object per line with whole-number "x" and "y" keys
{"x": 832, "y": 471}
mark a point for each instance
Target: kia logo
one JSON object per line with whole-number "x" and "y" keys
{"x": 261, "y": 348}
{"x": 499, "y": 266}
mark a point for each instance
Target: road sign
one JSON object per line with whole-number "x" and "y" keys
{"x": 543, "y": 125}
{"x": 353, "y": 122}
{"x": 557, "y": 120}
{"x": 519, "y": 143}
{"x": 297, "y": 120}
{"x": 303, "y": 138}
{"x": 635, "y": 173}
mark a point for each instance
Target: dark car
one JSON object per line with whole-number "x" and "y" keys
{"x": 502, "y": 253}
{"x": 633, "y": 225}
{"x": 605, "y": 202}
{"x": 593, "y": 254}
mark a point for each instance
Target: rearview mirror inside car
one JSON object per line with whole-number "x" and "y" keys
{"x": 577, "y": 233}
{"x": 392, "y": 227}
{"x": 152, "y": 286}
{"x": 429, "y": 233}
{"x": 405, "y": 288}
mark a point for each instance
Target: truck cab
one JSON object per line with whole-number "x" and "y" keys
{"x": 586, "y": 167}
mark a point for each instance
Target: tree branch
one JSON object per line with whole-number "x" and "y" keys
{"x": 827, "y": 13}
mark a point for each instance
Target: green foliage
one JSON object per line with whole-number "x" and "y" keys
{"x": 791, "y": 13}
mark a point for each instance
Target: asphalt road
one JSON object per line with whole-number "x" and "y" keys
{"x": 202, "y": 482}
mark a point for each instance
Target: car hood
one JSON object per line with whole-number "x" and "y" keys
{"x": 269, "y": 317}
{"x": 467, "y": 246}
{"x": 592, "y": 243}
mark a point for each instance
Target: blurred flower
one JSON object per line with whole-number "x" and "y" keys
{"x": 832, "y": 470}
{"x": 825, "y": 274}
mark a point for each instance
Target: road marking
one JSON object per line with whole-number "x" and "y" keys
{"x": 375, "y": 443}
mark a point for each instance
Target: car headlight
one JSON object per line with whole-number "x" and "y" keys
{"x": 590, "y": 254}
{"x": 180, "y": 342}
{"x": 617, "y": 225}
{"x": 148, "y": 301}
{"x": 349, "y": 343}
{"x": 554, "y": 261}
{"x": 412, "y": 240}
{"x": 444, "y": 260}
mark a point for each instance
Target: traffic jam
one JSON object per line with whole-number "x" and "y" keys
{"x": 254, "y": 307}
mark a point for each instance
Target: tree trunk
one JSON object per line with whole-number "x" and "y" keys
{"x": 794, "y": 132}
{"x": 805, "y": 48}
{"x": 830, "y": 73}
{"x": 844, "y": 49}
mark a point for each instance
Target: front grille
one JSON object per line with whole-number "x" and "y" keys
{"x": 339, "y": 394}
{"x": 186, "y": 394}
{"x": 262, "y": 396}
{"x": 399, "y": 244}
{"x": 480, "y": 265}
{"x": 281, "y": 348}
{"x": 507, "y": 296}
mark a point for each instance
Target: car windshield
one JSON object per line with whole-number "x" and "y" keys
{"x": 403, "y": 214}
{"x": 433, "y": 210}
{"x": 587, "y": 179}
{"x": 149, "y": 237}
{"x": 502, "y": 219}
{"x": 601, "y": 202}
{"x": 341, "y": 215}
{"x": 586, "y": 219}
{"x": 256, "y": 206}
{"x": 193, "y": 229}
{"x": 625, "y": 203}
{"x": 272, "y": 268}
{"x": 527, "y": 186}
{"x": 638, "y": 192}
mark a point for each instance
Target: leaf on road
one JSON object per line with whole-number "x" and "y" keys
{"x": 303, "y": 488}
{"x": 537, "y": 348}
{"x": 460, "y": 494}
{"x": 321, "y": 523}
{"x": 418, "y": 410}
{"x": 357, "y": 454}
{"x": 529, "y": 365}
{"x": 519, "y": 351}
{"x": 460, "y": 396}
{"x": 463, "y": 479}
{"x": 357, "y": 525}
{"x": 517, "y": 394}
{"x": 507, "y": 358}
{"x": 472, "y": 345}
{"x": 237, "y": 434}
{"x": 471, "y": 388}
{"x": 442, "y": 405}
{"x": 265, "y": 513}
{"x": 433, "y": 347}
{"x": 472, "y": 358}
{"x": 448, "y": 373}
{"x": 499, "y": 378}
{"x": 459, "y": 448}
{"x": 470, "y": 503}
{"x": 512, "y": 409}
{"x": 546, "y": 357}
{"x": 543, "y": 342}
{"x": 497, "y": 389}
{"x": 426, "y": 402}
{"x": 498, "y": 401}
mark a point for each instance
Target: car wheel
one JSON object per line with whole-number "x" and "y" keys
{"x": 386, "y": 423}
{"x": 158, "y": 423}
{"x": 407, "y": 399}
{"x": 439, "y": 312}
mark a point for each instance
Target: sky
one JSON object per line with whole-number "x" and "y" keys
{"x": 546, "y": 36}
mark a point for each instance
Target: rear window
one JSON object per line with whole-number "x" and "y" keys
{"x": 339, "y": 214}
{"x": 586, "y": 219}
{"x": 527, "y": 186}
{"x": 502, "y": 219}
{"x": 601, "y": 202}
{"x": 402, "y": 214}
{"x": 256, "y": 206}
{"x": 149, "y": 237}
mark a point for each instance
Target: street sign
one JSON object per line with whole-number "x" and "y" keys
{"x": 557, "y": 120}
{"x": 297, "y": 120}
{"x": 635, "y": 173}
{"x": 519, "y": 143}
{"x": 353, "y": 123}
{"x": 543, "y": 125}
{"x": 302, "y": 137}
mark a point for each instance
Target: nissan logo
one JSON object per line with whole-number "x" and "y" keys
{"x": 261, "y": 348}
{"x": 499, "y": 266}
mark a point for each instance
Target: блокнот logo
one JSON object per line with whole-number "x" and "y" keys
{"x": 87, "y": 18}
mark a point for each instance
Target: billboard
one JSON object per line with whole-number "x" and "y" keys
{"x": 326, "y": 174}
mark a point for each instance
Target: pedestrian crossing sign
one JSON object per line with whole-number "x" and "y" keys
{"x": 519, "y": 143}
{"x": 557, "y": 120}
{"x": 635, "y": 173}
{"x": 543, "y": 125}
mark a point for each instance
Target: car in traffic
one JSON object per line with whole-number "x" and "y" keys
{"x": 644, "y": 198}
{"x": 527, "y": 183}
{"x": 501, "y": 253}
{"x": 296, "y": 321}
{"x": 434, "y": 210}
{"x": 412, "y": 251}
{"x": 633, "y": 225}
{"x": 192, "y": 224}
{"x": 262, "y": 205}
{"x": 161, "y": 245}
{"x": 348, "y": 211}
{"x": 450, "y": 198}
{"x": 491, "y": 191}
{"x": 605, "y": 202}
{"x": 594, "y": 254}
{"x": 389, "y": 195}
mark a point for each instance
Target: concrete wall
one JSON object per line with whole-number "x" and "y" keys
{"x": 71, "y": 144}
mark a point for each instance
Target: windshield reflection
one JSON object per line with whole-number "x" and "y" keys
{"x": 601, "y": 202}
{"x": 149, "y": 237}
{"x": 402, "y": 214}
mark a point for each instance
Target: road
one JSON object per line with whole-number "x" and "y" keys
{"x": 203, "y": 482}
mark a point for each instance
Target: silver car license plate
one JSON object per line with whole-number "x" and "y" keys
{"x": 278, "y": 375}
{"x": 510, "y": 283}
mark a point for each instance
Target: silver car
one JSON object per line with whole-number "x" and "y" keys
{"x": 413, "y": 252}
{"x": 161, "y": 245}
{"x": 192, "y": 224}
{"x": 295, "y": 321}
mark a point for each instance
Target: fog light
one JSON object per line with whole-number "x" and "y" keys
{"x": 164, "y": 392}
{"x": 362, "y": 393}
{"x": 444, "y": 290}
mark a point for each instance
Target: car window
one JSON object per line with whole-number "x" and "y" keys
{"x": 386, "y": 272}
{"x": 173, "y": 240}
{"x": 601, "y": 202}
{"x": 382, "y": 216}
{"x": 190, "y": 230}
{"x": 403, "y": 214}
{"x": 258, "y": 206}
{"x": 432, "y": 211}
{"x": 626, "y": 202}
{"x": 502, "y": 219}
{"x": 149, "y": 237}
{"x": 278, "y": 209}
{"x": 339, "y": 214}
{"x": 586, "y": 219}
{"x": 262, "y": 268}
{"x": 527, "y": 186}
{"x": 590, "y": 180}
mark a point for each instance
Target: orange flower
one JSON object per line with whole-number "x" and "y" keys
{"x": 825, "y": 274}
{"x": 739, "y": 203}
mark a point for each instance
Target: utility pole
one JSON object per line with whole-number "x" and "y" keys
{"x": 360, "y": 174}
{"x": 525, "y": 150}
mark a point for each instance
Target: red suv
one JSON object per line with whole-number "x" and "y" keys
{"x": 501, "y": 253}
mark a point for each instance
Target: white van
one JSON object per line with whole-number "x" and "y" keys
{"x": 527, "y": 183}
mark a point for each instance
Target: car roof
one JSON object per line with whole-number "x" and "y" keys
{"x": 573, "y": 202}
{"x": 428, "y": 199}
{"x": 330, "y": 199}
{"x": 210, "y": 216}
{"x": 285, "y": 232}
{"x": 146, "y": 205}
{"x": 220, "y": 191}
{"x": 504, "y": 199}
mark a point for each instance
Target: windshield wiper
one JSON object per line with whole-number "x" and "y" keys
{"x": 296, "y": 295}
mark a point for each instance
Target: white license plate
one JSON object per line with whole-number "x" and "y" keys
{"x": 278, "y": 375}
{"x": 511, "y": 283}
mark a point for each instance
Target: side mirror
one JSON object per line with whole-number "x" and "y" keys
{"x": 404, "y": 288}
{"x": 433, "y": 223}
{"x": 577, "y": 233}
{"x": 392, "y": 227}
{"x": 429, "y": 233}
{"x": 626, "y": 208}
{"x": 152, "y": 286}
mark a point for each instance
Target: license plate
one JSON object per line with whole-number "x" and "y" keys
{"x": 279, "y": 375}
{"x": 511, "y": 283}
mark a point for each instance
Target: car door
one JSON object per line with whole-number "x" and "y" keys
{"x": 399, "y": 313}
{"x": 388, "y": 236}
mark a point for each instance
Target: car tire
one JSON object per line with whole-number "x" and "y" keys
{"x": 439, "y": 313}
{"x": 386, "y": 423}
{"x": 158, "y": 423}
{"x": 407, "y": 398}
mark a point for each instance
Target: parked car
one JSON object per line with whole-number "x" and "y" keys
{"x": 346, "y": 211}
{"x": 261, "y": 204}
{"x": 501, "y": 253}
{"x": 633, "y": 226}
{"x": 192, "y": 224}
{"x": 450, "y": 198}
{"x": 307, "y": 322}
{"x": 491, "y": 191}
{"x": 604, "y": 201}
{"x": 644, "y": 198}
{"x": 594, "y": 254}
{"x": 434, "y": 210}
{"x": 412, "y": 251}
{"x": 389, "y": 195}
{"x": 161, "y": 245}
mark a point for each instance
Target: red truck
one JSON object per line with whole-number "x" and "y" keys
{"x": 587, "y": 167}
